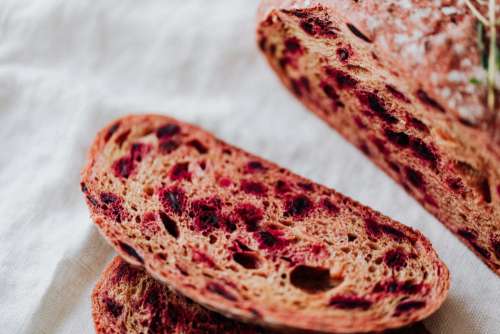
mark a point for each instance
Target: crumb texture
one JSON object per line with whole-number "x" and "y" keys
{"x": 127, "y": 300}
{"x": 368, "y": 81}
{"x": 251, "y": 240}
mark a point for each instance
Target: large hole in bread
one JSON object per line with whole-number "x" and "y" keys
{"x": 129, "y": 250}
{"x": 170, "y": 225}
{"x": 247, "y": 260}
{"x": 476, "y": 178}
{"x": 358, "y": 33}
{"x": 484, "y": 190}
{"x": 312, "y": 279}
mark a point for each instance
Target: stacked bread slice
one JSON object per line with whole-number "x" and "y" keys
{"x": 246, "y": 238}
{"x": 128, "y": 300}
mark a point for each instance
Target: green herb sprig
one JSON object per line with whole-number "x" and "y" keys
{"x": 491, "y": 60}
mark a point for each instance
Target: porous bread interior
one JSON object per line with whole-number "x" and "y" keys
{"x": 462, "y": 188}
{"x": 201, "y": 266}
{"x": 128, "y": 300}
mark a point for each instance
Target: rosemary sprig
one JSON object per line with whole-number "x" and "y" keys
{"x": 493, "y": 56}
{"x": 492, "y": 60}
{"x": 477, "y": 13}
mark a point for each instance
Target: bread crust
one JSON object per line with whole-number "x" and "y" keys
{"x": 375, "y": 99}
{"x": 250, "y": 240}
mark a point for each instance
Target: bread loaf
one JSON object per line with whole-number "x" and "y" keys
{"x": 398, "y": 80}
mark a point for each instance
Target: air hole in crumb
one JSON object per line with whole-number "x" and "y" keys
{"x": 358, "y": 33}
{"x": 350, "y": 302}
{"x": 170, "y": 225}
{"x": 130, "y": 251}
{"x": 168, "y": 146}
{"x": 346, "y": 250}
{"x": 311, "y": 279}
{"x": 113, "y": 307}
{"x": 274, "y": 226}
{"x": 122, "y": 137}
{"x": 343, "y": 54}
{"x": 426, "y": 99}
{"x": 168, "y": 131}
{"x": 212, "y": 239}
{"x": 484, "y": 189}
{"x": 149, "y": 191}
{"x": 356, "y": 69}
{"x": 415, "y": 177}
{"x": 418, "y": 124}
{"x": 198, "y": 146}
{"x": 351, "y": 237}
{"x": 111, "y": 131}
{"x": 398, "y": 138}
{"x": 397, "y": 94}
{"x": 247, "y": 260}
{"x": 393, "y": 166}
{"x": 220, "y": 290}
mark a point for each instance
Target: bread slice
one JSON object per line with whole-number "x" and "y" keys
{"x": 127, "y": 300}
{"x": 394, "y": 78}
{"x": 251, "y": 240}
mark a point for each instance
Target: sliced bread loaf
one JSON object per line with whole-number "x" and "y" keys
{"x": 395, "y": 78}
{"x": 251, "y": 240}
{"x": 127, "y": 300}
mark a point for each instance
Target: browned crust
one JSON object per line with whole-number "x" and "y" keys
{"x": 275, "y": 319}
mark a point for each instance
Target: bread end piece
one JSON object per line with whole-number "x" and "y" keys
{"x": 346, "y": 76}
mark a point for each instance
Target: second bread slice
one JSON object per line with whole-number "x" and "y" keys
{"x": 251, "y": 240}
{"x": 128, "y": 300}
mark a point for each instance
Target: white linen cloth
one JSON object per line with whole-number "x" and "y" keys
{"x": 67, "y": 68}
